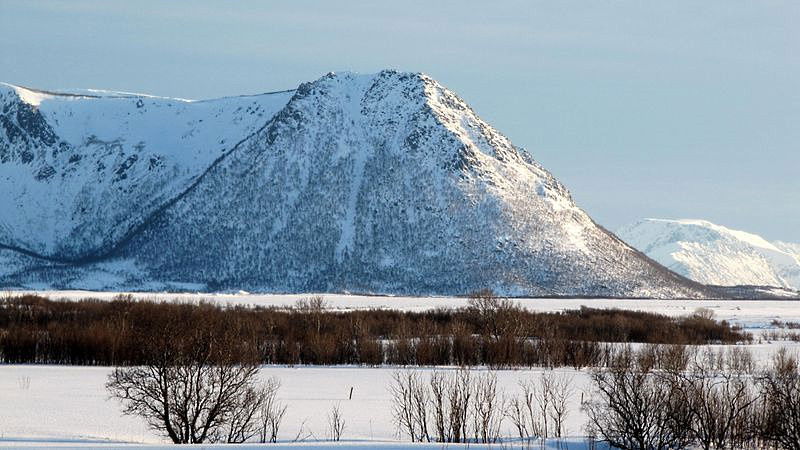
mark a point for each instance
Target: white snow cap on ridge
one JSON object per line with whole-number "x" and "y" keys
{"x": 29, "y": 96}
{"x": 714, "y": 254}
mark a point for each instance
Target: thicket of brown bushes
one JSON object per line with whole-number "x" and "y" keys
{"x": 491, "y": 331}
{"x": 721, "y": 400}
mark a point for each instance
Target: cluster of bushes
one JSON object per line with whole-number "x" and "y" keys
{"x": 654, "y": 397}
{"x": 490, "y": 331}
{"x": 651, "y": 397}
{"x": 783, "y": 331}
{"x": 465, "y": 407}
{"x": 715, "y": 402}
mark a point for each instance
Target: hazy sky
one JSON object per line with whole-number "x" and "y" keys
{"x": 643, "y": 109}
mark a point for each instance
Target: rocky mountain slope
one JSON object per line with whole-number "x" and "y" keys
{"x": 385, "y": 183}
{"x": 714, "y": 254}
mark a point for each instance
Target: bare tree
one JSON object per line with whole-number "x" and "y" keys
{"x": 487, "y": 409}
{"x": 635, "y": 410}
{"x": 719, "y": 403}
{"x": 409, "y": 404}
{"x": 780, "y": 387}
{"x": 190, "y": 403}
{"x": 560, "y": 393}
{"x": 195, "y": 388}
{"x": 272, "y": 412}
{"x": 336, "y": 423}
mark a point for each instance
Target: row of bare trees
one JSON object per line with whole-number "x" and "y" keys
{"x": 199, "y": 385}
{"x": 543, "y": 407}
{"x": 718, "y": 399}
{"x": 708, "y": 405}
{"x": 462, "y": 406}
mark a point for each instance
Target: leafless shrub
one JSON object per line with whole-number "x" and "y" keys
{"x": 191, "y": 402}
{"x": 635, "y": 410}
{"x": 517, "y": 411}
{"x": 704, "y": 313}
{"x": 336, "y": 423}
{"x": 272, "y": 412}
{"x": 560, "y": 393}
{"x": 783, "y": 334}
{"x": 459, "y": 394}
{"x": 677, "y": 357}
{"x": 719, "y": 405}
{"x": 487, "y": 410}
{"x": 438, "y": 406}
{"x": 242, "y": 423}
{"x": 542, "y": 408}
{"x": 740, "y": 360}
{"x": 409, "y": 404}
{"x": 452, "y": 406}
{"x": 780, "y": 388}
{"x": 313, "y": 304}
{"x": 302, "y": 433}
{"x": 542, "y": 395}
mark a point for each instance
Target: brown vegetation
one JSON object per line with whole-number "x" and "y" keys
{"x": 491, "y": 331}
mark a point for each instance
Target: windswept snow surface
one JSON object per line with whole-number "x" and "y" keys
{"x": 383, "y": 183}
{"x": 713, "y": 254}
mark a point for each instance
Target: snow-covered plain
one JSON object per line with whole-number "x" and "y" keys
{"x": 43, "y": 405}
{"x": 68, "y": 406}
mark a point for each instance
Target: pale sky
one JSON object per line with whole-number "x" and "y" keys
{"x": 674, "y": 109}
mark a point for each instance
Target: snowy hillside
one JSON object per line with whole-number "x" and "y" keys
{"x": 79, "y": 172}
{"x": 713, "y": 254}
{"x": 385, "y": 183}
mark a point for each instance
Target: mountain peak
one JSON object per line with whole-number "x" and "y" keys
{"x": 714, "y": 254}
{"x": 385, "y": 183}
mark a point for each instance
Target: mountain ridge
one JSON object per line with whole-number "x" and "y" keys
{"x": 384, "y": 183}
{"x": 714, "y": 254}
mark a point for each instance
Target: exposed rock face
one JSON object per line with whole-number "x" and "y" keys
{"x": 385, "y": 183}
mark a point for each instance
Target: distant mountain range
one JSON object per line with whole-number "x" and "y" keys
{"x": 386, "y": 183}
{"x": 713, "y": 254}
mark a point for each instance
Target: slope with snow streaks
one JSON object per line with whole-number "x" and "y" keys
{"x": 714, "y": 254}
{"x": 409, "y": 192}
{"x": 385, "y": 183}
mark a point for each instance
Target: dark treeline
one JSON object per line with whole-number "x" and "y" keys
{"x": 490, "y": 331}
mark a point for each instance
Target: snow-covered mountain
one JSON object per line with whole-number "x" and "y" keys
{"x": 713, "y": 254}
{"x": 79, "y": 172}
{"x": 383, "y": 183}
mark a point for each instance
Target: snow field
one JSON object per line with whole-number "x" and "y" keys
{"x": 68, "y": 406}
{"x": 62, "y": 405}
